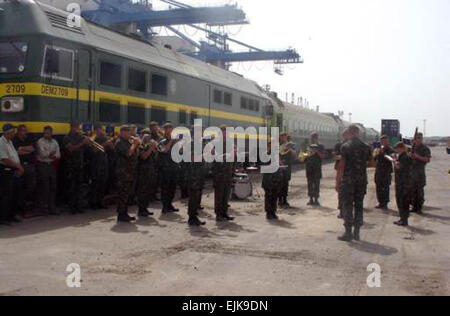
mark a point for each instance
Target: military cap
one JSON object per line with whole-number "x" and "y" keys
{"x": 146, "y": 131}
{"x": 400, "y": 145}
{"x": 314, "y": 146}
{"x": 125, "y": 128}
{"x": 384, "y": 137}
{"x": 284, "y": 134}
{"x": 168, "y": 125}
{"x": 153, "y": 124}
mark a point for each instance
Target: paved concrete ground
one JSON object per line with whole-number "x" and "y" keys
{"x": 298, "y": 255}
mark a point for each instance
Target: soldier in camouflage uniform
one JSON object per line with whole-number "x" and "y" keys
{"x": 286, "y": 158}
{"x": 156, "y": 136}
{"x": 169, "y": 170}
{"x": 127, "y": 156}
{"x": 383, "y": 173}
{"x": 196, "y": 180}
{"x": 403, "y": 168}
{"x": 352, "y": 182}
{"x": 99, "y": 169}
{"x": 223, "y": 182}
{"x": 183, "y": 180}
{"x": 271, "y": 184}
{"x": 421, "y": 156}
{"x": 314, "y": 169}
{"x": 337, "y": 158}
{"x": 147, "y": 173}
{"x": 74, "y": 144}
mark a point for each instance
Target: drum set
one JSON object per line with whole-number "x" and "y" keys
{"x": 243, "y": 184}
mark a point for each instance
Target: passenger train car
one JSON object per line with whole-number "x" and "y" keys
{"x": 52, "y": 73}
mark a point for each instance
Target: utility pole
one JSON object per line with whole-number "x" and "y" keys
{"x": 350, "y": 117}
{"x": 424, "y": 128}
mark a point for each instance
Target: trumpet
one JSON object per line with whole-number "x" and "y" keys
{"x": 133, "y": 139}
{"x": 147, "y": 143}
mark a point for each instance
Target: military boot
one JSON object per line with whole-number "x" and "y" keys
{"x": 195, "y": 221}
{"x": 347, "y": 237}
{"x": 316, "y": 202}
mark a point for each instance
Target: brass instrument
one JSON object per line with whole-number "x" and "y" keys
{"x": 147, "y": 143}
{"x": 287, "y": 148}
{"x": 94, "y": 145}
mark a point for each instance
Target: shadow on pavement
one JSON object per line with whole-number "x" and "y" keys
{"x": 369, "y": 247}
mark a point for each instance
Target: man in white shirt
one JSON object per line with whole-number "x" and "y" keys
{"x": 10, "y": 171}
{"x": 47, "y": 153}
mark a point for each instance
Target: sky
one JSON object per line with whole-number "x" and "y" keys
{"x": 376, "y": 59}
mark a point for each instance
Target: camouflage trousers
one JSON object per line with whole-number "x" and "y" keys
{"x": 403, "y": 197}
{"x": 75, "y": 180}
{"x": 418, "y": 184}
{"x": 352, "y": 195}
{"x": 146, "y": 185}
{"x": 169, "y": 179}
{"x": 383, "y": 184}
{"x": 125, "y": 181}
{"x": 98, "y": 186}
{"x": 195, "y": 199}
{"x": 222, "y": 193}
{"x": 271, "y": 199}
{"x": 314, "y": 186}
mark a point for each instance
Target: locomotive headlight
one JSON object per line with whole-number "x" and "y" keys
{"x": 12, "y": 104}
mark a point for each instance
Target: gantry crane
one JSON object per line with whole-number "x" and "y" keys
{"x": 144, "y": 18}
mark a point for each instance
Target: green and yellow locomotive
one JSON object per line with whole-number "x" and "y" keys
{"x": 52, "y": 73}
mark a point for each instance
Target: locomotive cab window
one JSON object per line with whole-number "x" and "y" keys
{"x": 110, "y": 74}
{"x": 58, "y": 63}
{"x": 12, "y": 57}
{"x": 137, "y": 80}
{"x": 159, "y": 85}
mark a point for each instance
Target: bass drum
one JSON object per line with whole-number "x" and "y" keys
{"x": 243, "y": 187}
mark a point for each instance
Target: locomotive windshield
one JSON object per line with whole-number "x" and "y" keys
{"x": 12, "y": 57}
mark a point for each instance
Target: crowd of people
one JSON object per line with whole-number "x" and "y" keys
{"x": 136, "y": 169}
{"x": 139, "y": 169}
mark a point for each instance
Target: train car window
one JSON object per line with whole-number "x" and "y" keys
{"x": 228, "y": 98}
{"x": 110, "y": 74}
{"x": 58, "y": 63}
{"x": 137, "y": 80}
{"x": 251, "y": 104}
{"x": 136, "y": 113}
{"x": 12, "y": 57}
{"x": 218, "y": 96}
{"x": 194, "y": 116}
{"x": 109, "y": 111}
{"x": 159, "y": 85}
{"x": 158, "y": 114}
{"x": 182, "y": 117}
{"x": 244, "y": 103}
